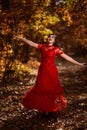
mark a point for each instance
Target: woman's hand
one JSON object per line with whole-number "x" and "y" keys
{"x": 83, "y": 64}
{"x": 17, "y": 37}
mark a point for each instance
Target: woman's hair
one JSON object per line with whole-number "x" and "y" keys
{"x": 51, "y": 34}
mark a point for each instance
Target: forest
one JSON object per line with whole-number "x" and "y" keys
{"x": 35, "y": 20}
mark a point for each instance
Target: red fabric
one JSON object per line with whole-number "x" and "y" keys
{"x": 47, "y": 94}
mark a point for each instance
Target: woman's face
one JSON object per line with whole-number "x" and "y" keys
{"x": 51, "y": 39}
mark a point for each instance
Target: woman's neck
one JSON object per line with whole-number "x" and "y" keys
{"x": 50, "y": 44}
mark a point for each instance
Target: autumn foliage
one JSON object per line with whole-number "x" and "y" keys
{"x": 35, "y": 20}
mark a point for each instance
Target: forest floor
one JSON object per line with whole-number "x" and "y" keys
{"x": 13, "y": 116}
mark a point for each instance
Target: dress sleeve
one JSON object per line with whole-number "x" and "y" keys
{"x": 40, "y": 46}
{"x": 58, "y": 51}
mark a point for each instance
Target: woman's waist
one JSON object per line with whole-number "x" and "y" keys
{"x": 48, "y": 64}
{"x": 45, "y": 61}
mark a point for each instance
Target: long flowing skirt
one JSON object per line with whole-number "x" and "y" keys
{"x": 47, "y": 94}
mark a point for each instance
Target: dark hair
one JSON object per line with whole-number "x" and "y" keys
{"x": 51, "y": 34}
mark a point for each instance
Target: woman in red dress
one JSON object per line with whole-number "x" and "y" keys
{"x": 47, "y": 95}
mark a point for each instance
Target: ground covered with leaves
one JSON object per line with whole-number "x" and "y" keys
{"x": 13, "y": 116}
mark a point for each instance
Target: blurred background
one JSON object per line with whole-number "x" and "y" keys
{"x": 35, "y": 20}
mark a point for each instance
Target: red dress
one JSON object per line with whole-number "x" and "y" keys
{"x": 47, "y": 94}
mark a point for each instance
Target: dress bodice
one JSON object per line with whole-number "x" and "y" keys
{"x": 49, "y": 52}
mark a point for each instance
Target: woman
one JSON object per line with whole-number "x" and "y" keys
{"x": 47, "y": 94}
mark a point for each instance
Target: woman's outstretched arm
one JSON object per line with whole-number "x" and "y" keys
{"x": 70, "y": 59}
{"x": 33, "y": 44}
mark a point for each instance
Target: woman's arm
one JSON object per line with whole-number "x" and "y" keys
{"x": 27, "y": 41}
{"x": 68, "y": 58}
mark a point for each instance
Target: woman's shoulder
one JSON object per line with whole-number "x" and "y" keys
{"x": 41, "y": 45}
{"x": 58, "y": 50}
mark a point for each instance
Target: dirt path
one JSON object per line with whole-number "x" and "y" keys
{"x": 13, "y": 116}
